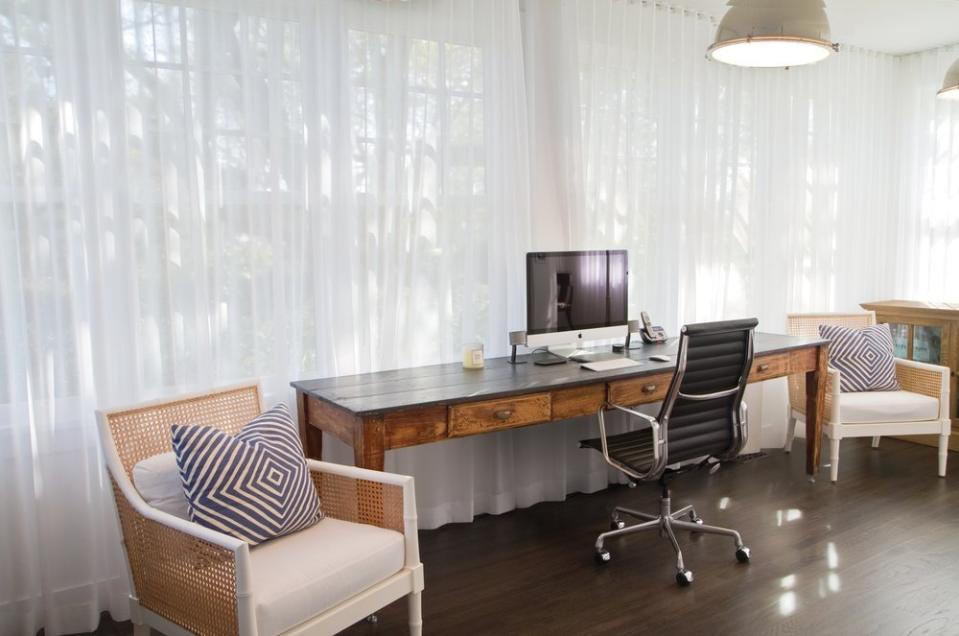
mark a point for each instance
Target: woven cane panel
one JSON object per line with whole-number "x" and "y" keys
{"x": 360, "y": 500}
{"x": 143, "y": 432}
{"x": 186, "y": 580}
{"x": 807, "y": 326}
{"x": 924, "y": 381}
{"x": 797, "y": 393}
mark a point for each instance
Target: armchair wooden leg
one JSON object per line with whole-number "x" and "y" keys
{"x": 943, "y": 454}
{"x": 790, "y": 432}
{"x": 834, "y": 459}
{"x": 415, "y": 603}
{"x": 875, "y": 441}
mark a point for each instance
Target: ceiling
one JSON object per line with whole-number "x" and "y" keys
{"x": 890, "y": 26}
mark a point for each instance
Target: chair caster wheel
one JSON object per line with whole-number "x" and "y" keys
{"x": 684, "y": 578}
{"x": 617, "y": 524}
{"x": 602, "y": 556}
{"x": 697, "y": 520}
{"x": 742, "y": 554}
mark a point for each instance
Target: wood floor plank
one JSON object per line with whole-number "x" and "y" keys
{"x": 878, "y": 553}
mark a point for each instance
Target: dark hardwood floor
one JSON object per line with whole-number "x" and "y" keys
{"x": 876, "y": 554}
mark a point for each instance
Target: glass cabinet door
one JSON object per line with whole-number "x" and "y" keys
{"x": 900, "y": 340}
{"x": 926, "y": 344}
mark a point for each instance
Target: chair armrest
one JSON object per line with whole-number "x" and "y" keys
{"x": 926, "y": 379}
{"x": 372, "y": 497}
{"x": 189, "y": 574}
{"x": 659, "y": 454}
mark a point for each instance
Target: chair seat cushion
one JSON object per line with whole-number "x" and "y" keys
{"x": 633, "y": 449}
{"x": 304, "y": 574}
{"x": 886, "y": 406}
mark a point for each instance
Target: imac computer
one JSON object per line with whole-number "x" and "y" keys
{"x": 575, "y": 297}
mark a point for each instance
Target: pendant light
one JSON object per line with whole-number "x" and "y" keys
{"x": 950, "y": 85}
{"x": 773, "y": 33}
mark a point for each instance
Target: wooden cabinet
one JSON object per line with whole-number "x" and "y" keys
{"x": 926, "y": 332}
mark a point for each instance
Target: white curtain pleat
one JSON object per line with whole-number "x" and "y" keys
{"x": 60, "y": 563}
{"x": 926, "y": 240}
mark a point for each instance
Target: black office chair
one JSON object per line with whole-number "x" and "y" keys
{"x": 703, "y": 417}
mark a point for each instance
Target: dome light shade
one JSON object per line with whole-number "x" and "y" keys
{"x": 950, "y": 85}
{"x": 773, "y": 33}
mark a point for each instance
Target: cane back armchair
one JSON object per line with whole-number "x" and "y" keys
{"x": 921, "y": 407}
{"x": 186, "y": 578}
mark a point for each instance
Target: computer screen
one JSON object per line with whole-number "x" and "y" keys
{"x": 570, "y": 291}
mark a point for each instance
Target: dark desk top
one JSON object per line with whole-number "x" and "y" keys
{"x": 377, "y": 393}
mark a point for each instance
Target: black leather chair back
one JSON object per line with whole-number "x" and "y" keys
{"x": 701, "y": 413}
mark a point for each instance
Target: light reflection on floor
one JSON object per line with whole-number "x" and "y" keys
{"x": 787, "y": 516}
{"x": 828, "y": 584}
{"x": 787, "y": 603}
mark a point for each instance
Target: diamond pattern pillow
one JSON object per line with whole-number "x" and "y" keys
{"x": 255, "y": 485}
{"x": 863, "y": 356}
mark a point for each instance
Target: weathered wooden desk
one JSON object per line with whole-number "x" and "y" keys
{"x": 376, "y": 412}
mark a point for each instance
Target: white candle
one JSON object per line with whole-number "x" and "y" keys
{"x": 473, "y": 355}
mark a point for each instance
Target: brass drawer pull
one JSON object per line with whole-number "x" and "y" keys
{"x": 649, "y": 388}
{"x": 503, "y": 415}
{"x": 763, "y": 367}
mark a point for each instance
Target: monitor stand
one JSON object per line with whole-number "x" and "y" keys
{"x": 566, "y": 351}
{"x": 546, "y": 358}
{"x": 576, "y": 354}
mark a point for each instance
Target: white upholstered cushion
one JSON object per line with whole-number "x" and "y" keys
{"x": 886, "y": 406}
{"x": 157, "y": 479}
{"x": 303, "y": 574}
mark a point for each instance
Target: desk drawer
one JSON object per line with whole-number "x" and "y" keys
{"x": 578, "y": 401}
{"x": 651, "y": 388}
{"x": 767, "y": 367}
{"x": 493, "y": 415}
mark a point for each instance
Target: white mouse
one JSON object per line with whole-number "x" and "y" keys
{"x": 659, "y": 358}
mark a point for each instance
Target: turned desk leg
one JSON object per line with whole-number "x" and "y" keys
{"x": 815, "y": 408}
{"x": 369, "y": 443}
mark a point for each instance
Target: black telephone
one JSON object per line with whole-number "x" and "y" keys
{"x": 650, "y": 332}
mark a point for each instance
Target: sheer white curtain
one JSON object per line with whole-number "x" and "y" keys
{"x": 59, "y": 563}
{"x": 192, "y": 193}
{"x": 927, "y": 232}
{"x": 737, "y": 191}
{"x": 459, "y": 190}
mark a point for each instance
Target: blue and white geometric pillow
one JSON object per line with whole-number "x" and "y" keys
{"x": 255, "y": 485}
{"x": 863, "y": 356}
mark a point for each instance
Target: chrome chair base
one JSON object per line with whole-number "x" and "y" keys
{"x": 666, "y": 521}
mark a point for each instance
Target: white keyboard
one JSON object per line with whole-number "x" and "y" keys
{"x": 609, "y": 365}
